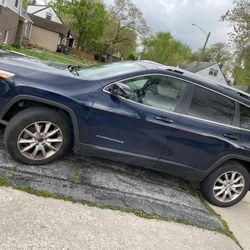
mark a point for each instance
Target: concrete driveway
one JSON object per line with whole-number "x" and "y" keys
{"x": 31, "y": 222}
{"x": 112, "y": 184}
{"x": 4, "y": 53}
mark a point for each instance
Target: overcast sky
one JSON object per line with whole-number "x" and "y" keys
{"x": 177, "y": 16}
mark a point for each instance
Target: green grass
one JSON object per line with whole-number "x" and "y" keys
{"x": 76, "y": 178}
{"x": 48, "y": 56}
{"x": 227, "y": 230}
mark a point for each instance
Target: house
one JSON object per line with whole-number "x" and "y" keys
{"x": 48, "y": 29}
{"x": 15, "y": 24}
{"x": 209, "y": 70}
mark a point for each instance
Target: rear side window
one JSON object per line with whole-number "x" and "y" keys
{"x": 244, "y": 117}
{"x": 211, "y": 106}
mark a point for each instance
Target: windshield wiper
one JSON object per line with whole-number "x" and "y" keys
{"x": 74, "y": 69}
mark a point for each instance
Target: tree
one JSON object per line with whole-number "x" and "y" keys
{"x": 129, "y": 45}
{"x": 25, "y": 4}
{"x": 242, "y": 68}
{"x": 239, "y": 16}
{"x": 218, "y": 53}
{"x": 124, "y": 23}
{"x": 163, "y": 48}
{"x": 85, "y": 17}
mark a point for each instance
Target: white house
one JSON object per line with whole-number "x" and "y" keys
{"x": 44, "y": 11}
{"x": 209, "y": 70}
{"x": 49, "y": 31}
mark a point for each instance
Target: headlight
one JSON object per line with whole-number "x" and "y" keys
{"x": 5, "y": 74}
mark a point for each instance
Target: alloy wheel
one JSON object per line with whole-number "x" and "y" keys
{"x": 229, "y": 186}
{"x": 40, "y": 140}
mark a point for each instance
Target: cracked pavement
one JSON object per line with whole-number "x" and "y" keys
{"x": 109, "y": 183}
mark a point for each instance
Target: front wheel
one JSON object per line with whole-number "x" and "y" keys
{"x": 37, "y": 136}
{"x": 227, "y": 185}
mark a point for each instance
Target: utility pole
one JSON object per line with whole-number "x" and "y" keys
{"x": 205, "y": 44}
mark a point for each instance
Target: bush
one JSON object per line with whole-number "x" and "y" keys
{"x": 16, "y": 46}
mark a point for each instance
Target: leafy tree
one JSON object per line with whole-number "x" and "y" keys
{"x": 128, "y": 45}
{"x": 163, "y": 48}
{"x": 218, "y": 53}
{"x": 124, "y": 23}
{"x": 85, "y": 17}
{"x": 25, "y": 4}
{"x": 242, "y": 68}
{"x": 239, "y": 16}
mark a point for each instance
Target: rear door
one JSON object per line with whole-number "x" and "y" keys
{"x": 205, "y": 133}
{"x": 245, "y": 126}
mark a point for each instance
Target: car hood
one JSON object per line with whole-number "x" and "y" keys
{"x": 48, "y": 76}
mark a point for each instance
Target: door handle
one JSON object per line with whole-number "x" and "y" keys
{"x": 232, "y": 136}
{"x": 163, "y": 119}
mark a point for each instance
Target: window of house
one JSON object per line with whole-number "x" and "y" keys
{"x": 244, "y": 117}
{"x": 211, "y": 106}
{"x": 48, "y": 16}
{"x": 213, "y": 72}
{"x": 6, "y": 36}
{"x": 16, "y": 3}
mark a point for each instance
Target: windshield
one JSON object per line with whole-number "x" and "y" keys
{"x": 108, "y": 70}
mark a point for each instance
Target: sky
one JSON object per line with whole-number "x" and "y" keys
{"x": 177, "y": 16}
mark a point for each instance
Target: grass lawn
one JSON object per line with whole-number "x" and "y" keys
{"x": 49, "y": 56}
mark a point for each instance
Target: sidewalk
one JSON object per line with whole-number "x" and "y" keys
{"x": 31, "y": 222}
{"x": 238, "y": 218}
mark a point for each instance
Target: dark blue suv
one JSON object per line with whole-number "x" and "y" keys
{"x": 140, "y": 113}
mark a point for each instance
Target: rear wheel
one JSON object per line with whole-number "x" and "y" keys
{"x": 37, "y": 136}
{"x": 227, "y": 185}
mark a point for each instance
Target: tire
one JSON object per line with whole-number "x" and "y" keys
{"x": 44, "y": 130}
{"x": 232, "y": 177}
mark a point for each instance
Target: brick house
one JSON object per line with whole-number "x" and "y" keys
{"x": 15, "y": 24}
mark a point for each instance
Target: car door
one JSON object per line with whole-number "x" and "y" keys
{"x": 244, "y": 123}
{"x": 136, "y": 131}
{"x": 204, "y": 134}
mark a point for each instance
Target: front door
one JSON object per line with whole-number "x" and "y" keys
{"x": 137, "y": 128}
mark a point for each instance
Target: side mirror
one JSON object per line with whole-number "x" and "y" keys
{"x": 121, "y": 89}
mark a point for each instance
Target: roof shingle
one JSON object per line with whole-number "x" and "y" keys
{"x": 49, "y": 25}
{"x": 192, "y": 67}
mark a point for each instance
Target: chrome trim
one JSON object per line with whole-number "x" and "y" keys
{"x": 109, "y": 139}
{"x": 160, "y": 74}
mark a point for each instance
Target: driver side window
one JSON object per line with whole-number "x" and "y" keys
{"x": 157, "y": 91}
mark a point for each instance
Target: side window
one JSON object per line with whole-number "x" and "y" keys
{"x": 244, "y": 117}
{"x": 157, "y": 91}
{"x": 211, "y": 106}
